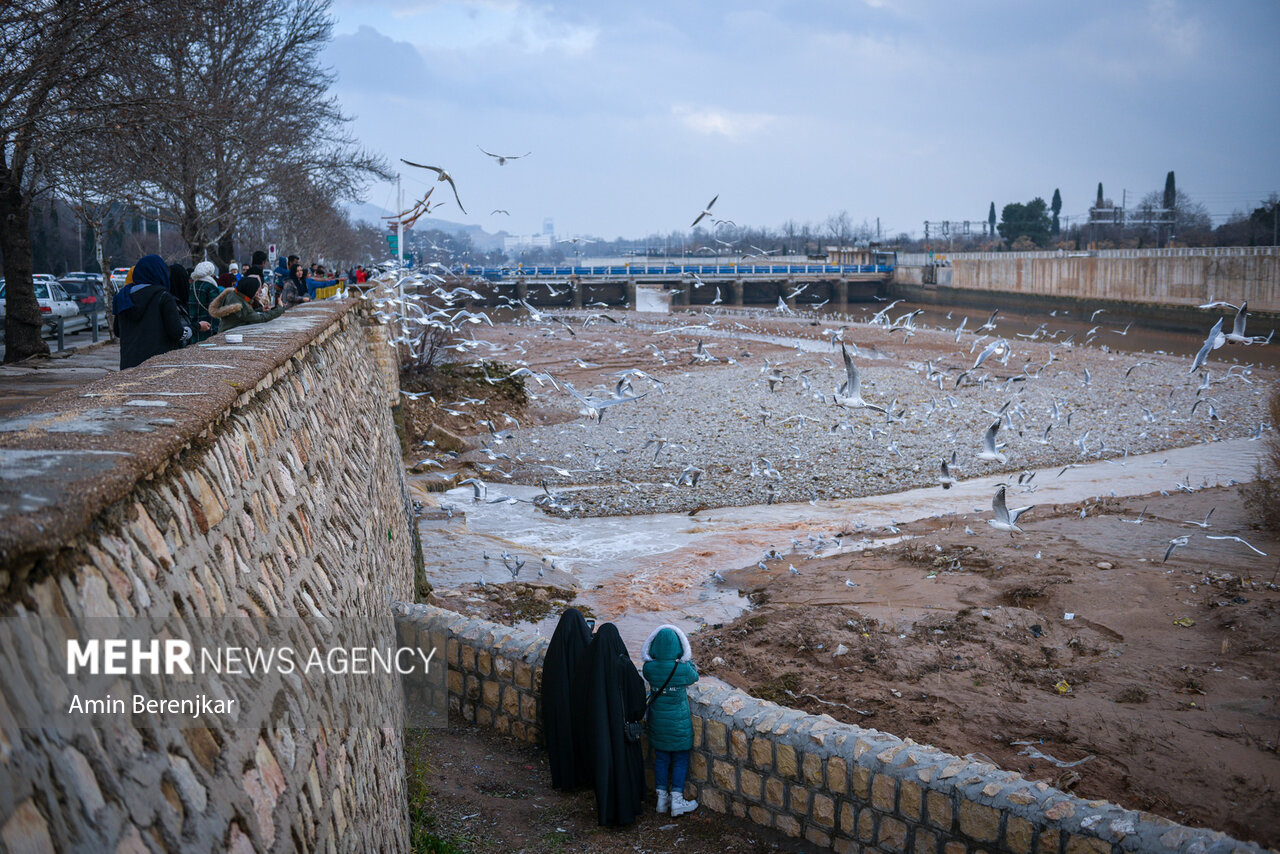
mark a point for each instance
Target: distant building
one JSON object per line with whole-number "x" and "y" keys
{"x": 528, "y": 241}
{"x": 862, "y": 256}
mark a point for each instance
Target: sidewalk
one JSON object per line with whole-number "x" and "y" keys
{"x": 35, "y": 379}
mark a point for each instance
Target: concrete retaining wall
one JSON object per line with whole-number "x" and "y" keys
{"x": 207, "y": 485}
{"x": 1152, "y": 279}
{"x": 837, "y": 786}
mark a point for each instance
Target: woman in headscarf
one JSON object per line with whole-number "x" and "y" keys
{"x": 563, "y": 712}
{"x": 234, "y": 306}
{"x": 147, "y": 320}
{"x": 180, "y": 287}
{"x": 614, "y": 695}
{"x": 294, "y": 289}
{"x": 204, "y": 289}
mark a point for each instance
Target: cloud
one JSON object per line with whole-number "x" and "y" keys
{"x": 723, "y": 122}
{"x": 486, "y": 24}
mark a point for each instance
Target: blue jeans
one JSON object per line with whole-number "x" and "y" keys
{"x": 674, "y": 762}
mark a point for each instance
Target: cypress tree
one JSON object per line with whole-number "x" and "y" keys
{"x": 1056, "y": 207}
{"x": 991, "y": 218}
{"x": 1099, "y": 202}
{"x": 1170, "y": 192}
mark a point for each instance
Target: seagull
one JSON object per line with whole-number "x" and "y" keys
{"x": 1005, "y": 519}
{"x": 1236, "y": 335}
{"x": 1213, "y": 342}
{"x": 1205, "y": 523}
{"x": 989, "y": 450}
{"x": 1173, "y": 544}
{"x": 503, "y": 158}
{"x": 946, "y": 479}
{"x": 476, "y": 485}
{"x": 443, "y": 176}
{"x": 1238, "y": 540}
{"x": 852, "y": 387}
{"x": 706, "y": 211}
{"x": 1137, "y": 521}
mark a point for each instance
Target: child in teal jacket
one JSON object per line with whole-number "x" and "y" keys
{"x": 668, "y": 662}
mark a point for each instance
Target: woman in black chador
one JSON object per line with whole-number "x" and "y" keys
{"x": 614, "y": 693}
{"x": 564, "y": 723}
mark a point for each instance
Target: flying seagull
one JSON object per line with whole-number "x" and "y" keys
{"x": 1215, "y": 340}
{"x": 442, "y": 176}
{"x": 851, "y": 388}
{"x": 503, "y": 158}
{"x": 1005, "y": 519}
{"x": 1238, "y": 540}
{"x": 989, "y": 450}
{"x": 706, "y": 211}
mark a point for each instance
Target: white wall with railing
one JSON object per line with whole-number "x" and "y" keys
{"x": 923, "y": 259}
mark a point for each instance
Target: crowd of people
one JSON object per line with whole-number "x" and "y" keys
{"x": 162, "y": 307}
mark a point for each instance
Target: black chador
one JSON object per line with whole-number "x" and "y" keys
{"x": 564, "y": 712}
{"x": 614, "y": 693}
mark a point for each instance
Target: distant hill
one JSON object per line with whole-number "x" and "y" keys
{"x": 480, "y": 238}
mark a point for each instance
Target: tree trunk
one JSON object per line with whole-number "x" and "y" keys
{"x": 22, "y": 321}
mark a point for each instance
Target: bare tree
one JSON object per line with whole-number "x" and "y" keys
{"x": 840, "y": 228}
{"x": 266, "y": 135}
{"x": 60, "y": 60}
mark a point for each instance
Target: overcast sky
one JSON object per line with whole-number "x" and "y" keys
{"x": 636, "y": 114}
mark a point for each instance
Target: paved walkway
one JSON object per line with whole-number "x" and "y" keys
{"x": 36, "y": 379}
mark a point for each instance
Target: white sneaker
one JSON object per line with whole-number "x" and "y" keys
{"x": 680, "y": 806}
{"x": 664, "y": 801}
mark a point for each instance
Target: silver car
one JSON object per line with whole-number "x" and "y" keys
{"x": 54, "y": 303}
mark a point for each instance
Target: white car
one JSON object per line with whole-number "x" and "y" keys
{"x": 54, "y": 303}
{"x": 119, "y": 275}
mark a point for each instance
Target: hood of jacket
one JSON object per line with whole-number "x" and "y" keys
{"x": 667, "y": 643}
{"x": 150, "y": 270}
{"x": 226, "y": 304}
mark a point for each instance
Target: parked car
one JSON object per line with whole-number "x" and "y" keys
{"x": 87, "y": 294}
{"x": 118, "y": 276}
{"x": 54, "y": 303}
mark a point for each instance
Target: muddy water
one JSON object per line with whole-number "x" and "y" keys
{"x": 641, "y": 571}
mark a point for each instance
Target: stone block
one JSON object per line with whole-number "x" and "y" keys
{"x": 739, "y": 809}
{"x": 761, "y": 816}
{"x": 824, "y": 810}
{"x": 939, "y": 807}
{"x": 867, "y": 824}
{"x": 523, "y": 675}
{"x": 762, "y": 752}
{"x": 862, "y": 783}
{"x": 774, "y": 790}
{"x": 489, "y": 694}
{"x": 26, "y": 831}
{"x": 750, "y": 784}
{"x": 1077, "y": 844}
{"x": 909, "y": 795}
{"x": 884, "y": 793}
{"x": 451, "y": 651}
{"x": 798, "y": 799}
{"x": 724, "y": 775}
{"x": 1018, "y": 834}
{"x": 786, "y": 761}
{"x": 529, "y": 707}
{"x": 893, "y": 835}
{"x": 716, "y": 737}
{"x": 820, "y": 838}
{"x": 484, "y": 717}
{"x": 467, "y": 657}
{"x": 712, "y": 800}
{"x": 925, "y": 842}
{"x": 979, "y": 823}
{"x": 738, "y": 744}
{"x": 812, "y": 769}
{"x": 502, "y": 724}
{"x": 511, "y": 701}
{"x": 846, "y": 846}
{"x": 955, "y": 848}
{"x": 837, "y": 775}
{"x": 484, "y": 663}
{"x": 698, "y": 766}
{"x": 848, "y": 818}
{"x": 787, "y": 825}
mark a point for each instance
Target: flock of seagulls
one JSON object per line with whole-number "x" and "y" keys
{"x": 434, "y": 307}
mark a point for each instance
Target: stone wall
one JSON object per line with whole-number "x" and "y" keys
{"x": 837, "y": 786}
{"x": 210, "y": 485}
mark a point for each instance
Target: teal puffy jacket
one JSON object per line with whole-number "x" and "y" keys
{"x": 670, "y": 724}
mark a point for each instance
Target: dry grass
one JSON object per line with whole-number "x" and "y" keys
{"x": 1263, "y": 496}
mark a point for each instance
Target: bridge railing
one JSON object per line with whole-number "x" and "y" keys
{"x": 719, "y": 271}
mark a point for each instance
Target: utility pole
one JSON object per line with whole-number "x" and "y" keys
{"x": 400, "y": 229}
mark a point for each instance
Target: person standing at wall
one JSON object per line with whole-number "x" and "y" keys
{"x": 204, "y": 289}
{"x": 147, "y": 320}
{"x": 235, "y": 306}
{"x": 669, "y": 670}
